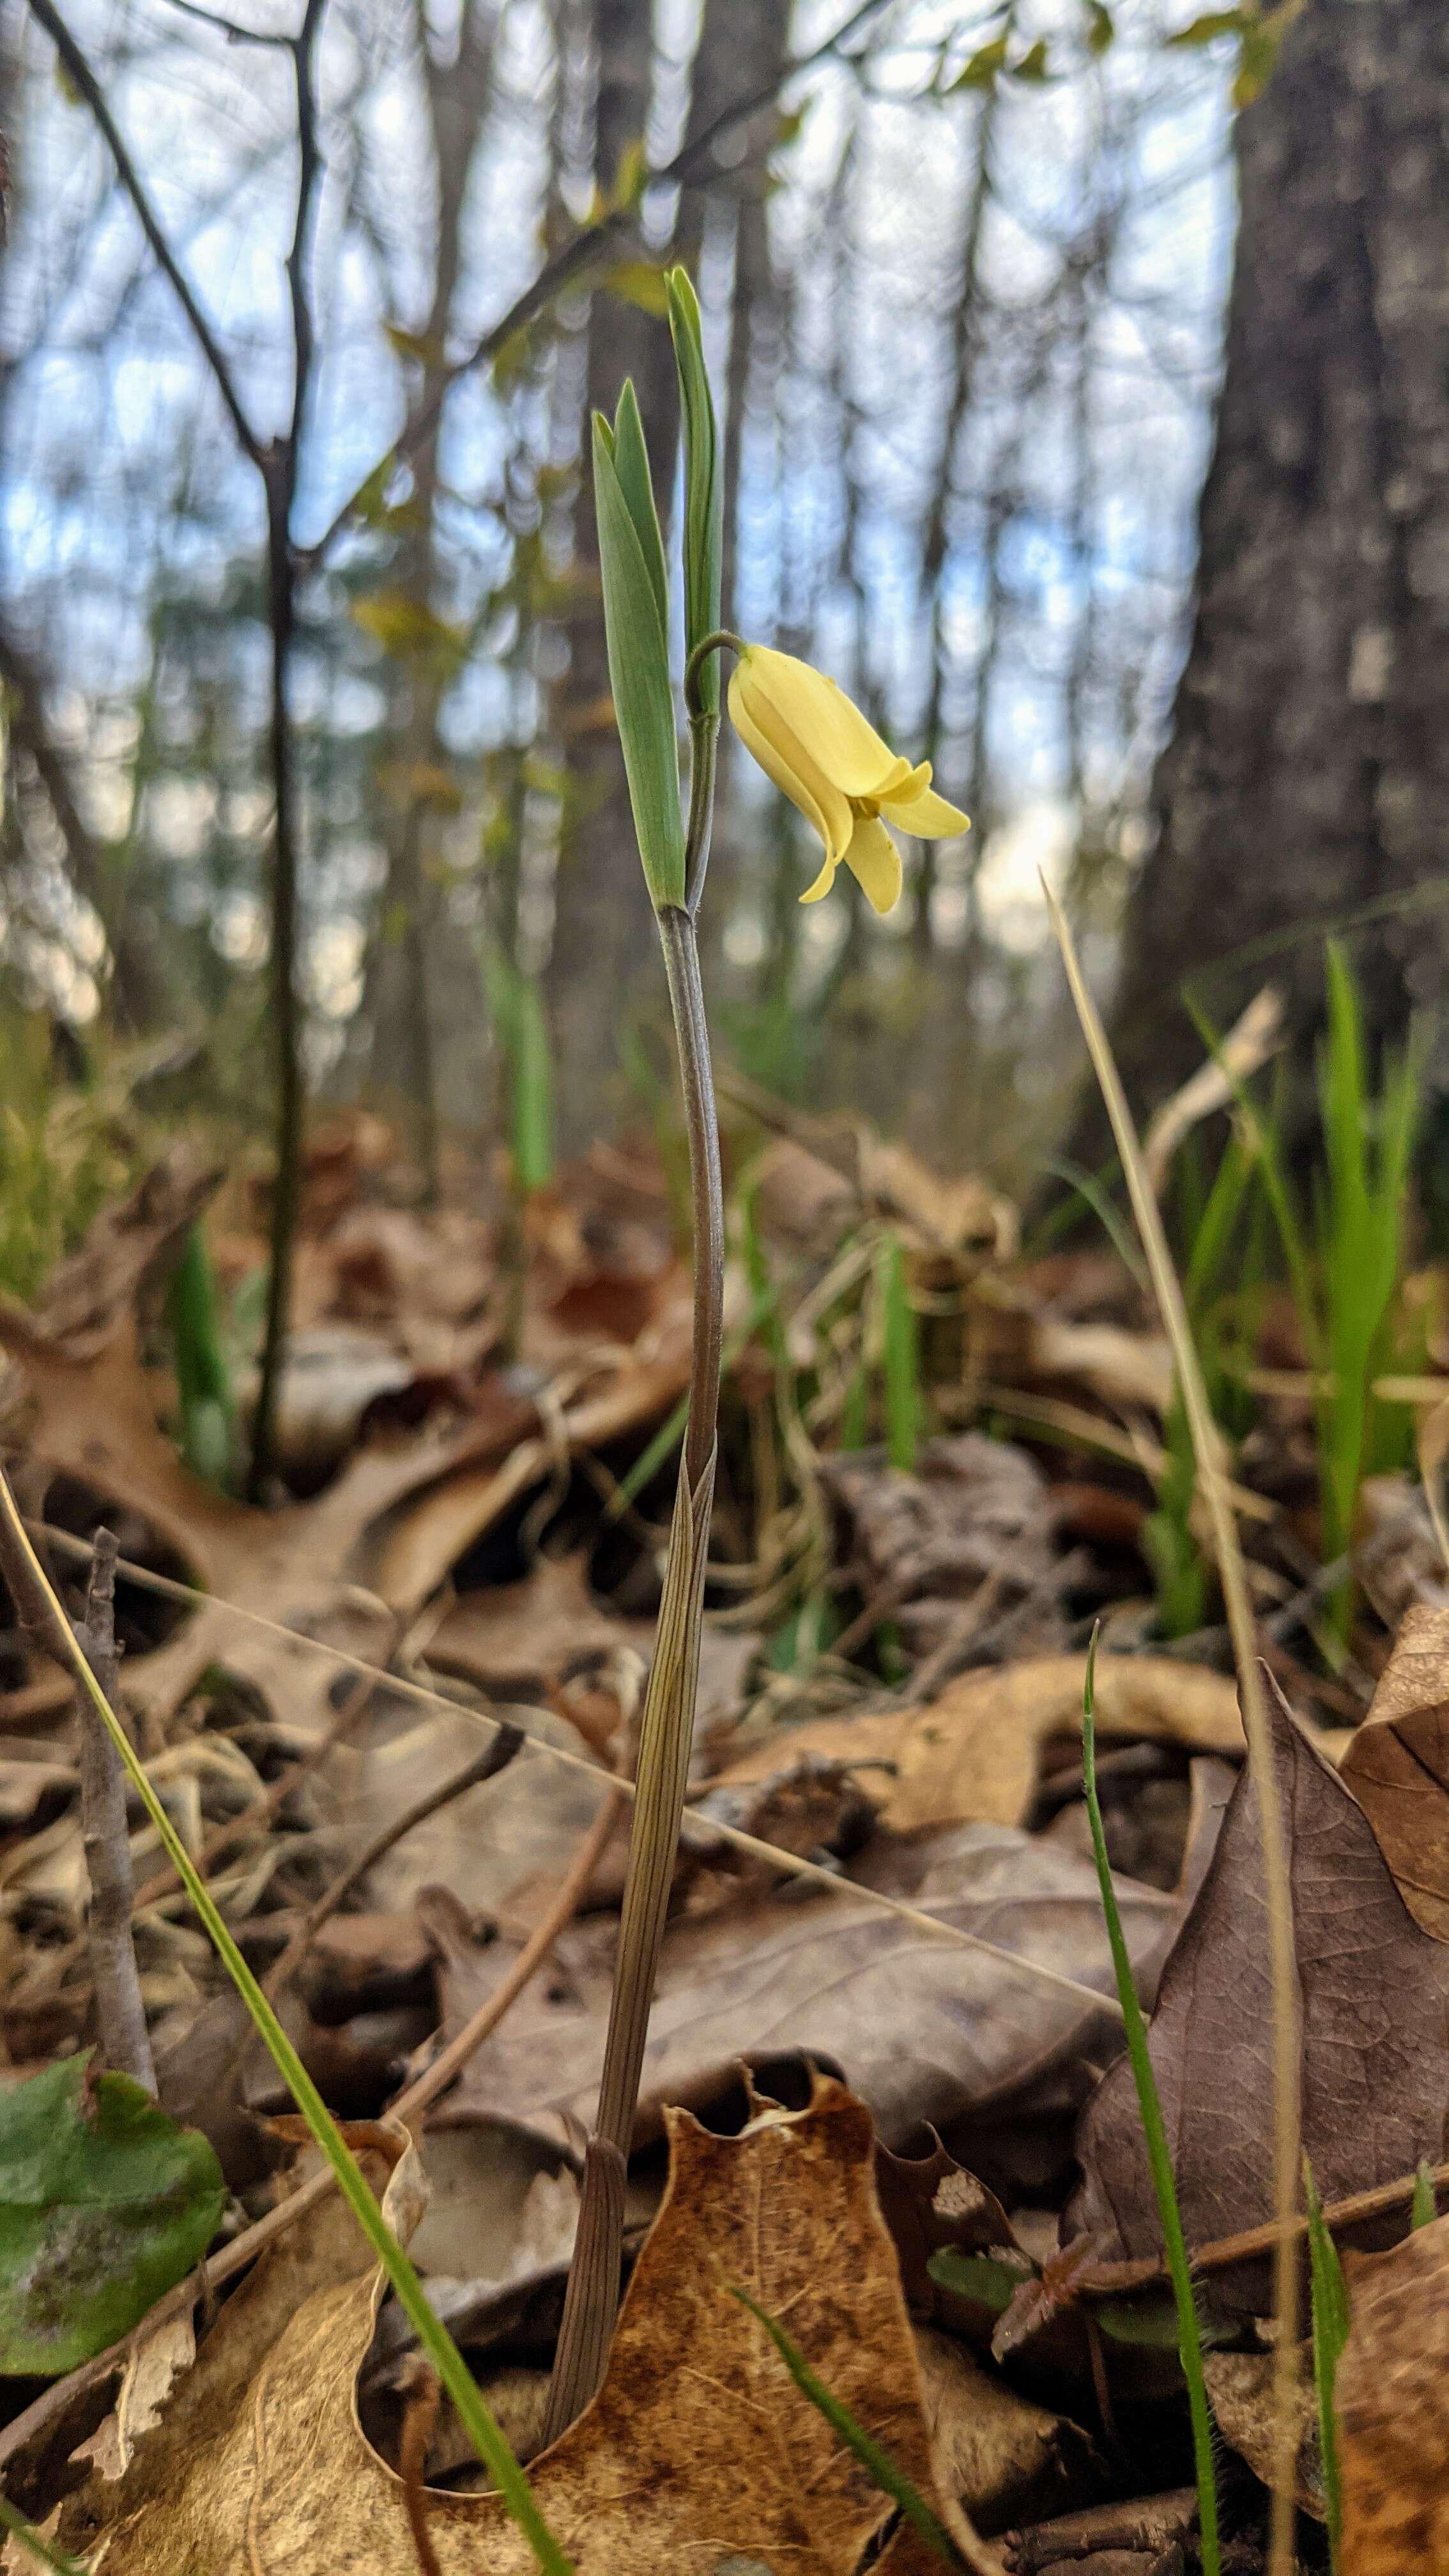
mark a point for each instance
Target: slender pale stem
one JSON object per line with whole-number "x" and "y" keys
{"x": 667, "y": 1727}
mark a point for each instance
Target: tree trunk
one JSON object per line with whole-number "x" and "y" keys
{"x": 604, "y": 966}
{"x": 1308, "y": 770}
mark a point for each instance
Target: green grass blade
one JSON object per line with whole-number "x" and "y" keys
{"x": 1426, "y": 2199}
{"x": 1158, "y": 2154}
{"x": 203, "y": 1380}
{"x": 878, "y": 2465}
{"x": 483, "y": 2431}
{"x": 1330, "y": 2334}
{"x": 902, "y": 1359}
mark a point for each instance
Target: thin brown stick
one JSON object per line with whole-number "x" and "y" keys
{"x": 418, "y": 2383}
{"x": 120, "y": 2013}
{"x": 1277, "y": 1884}
{"x": 486, "y": 1765}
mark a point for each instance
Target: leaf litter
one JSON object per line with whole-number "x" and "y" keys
{"x": 993, "y": 2314}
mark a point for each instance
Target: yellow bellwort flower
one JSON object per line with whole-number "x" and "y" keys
{"x": 818, "y": 748}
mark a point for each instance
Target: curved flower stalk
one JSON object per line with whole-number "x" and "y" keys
{"x": 833, "y": 765}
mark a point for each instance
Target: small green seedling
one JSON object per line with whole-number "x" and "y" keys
{"x": 1330, "y": 2334}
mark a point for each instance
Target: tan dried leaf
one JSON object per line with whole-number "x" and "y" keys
{"x": 975, "y": 1754}
{"x": 698, "y": 2444}
{"x": 1397, "y": 1766}
{"x": 1393, "y": 2405}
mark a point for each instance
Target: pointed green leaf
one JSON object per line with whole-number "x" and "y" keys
{"x": 639, "y": 677}
{"x": 703, "y": 509}
{"x": 104, "y": 2203}
{"x": 631, "y": 464}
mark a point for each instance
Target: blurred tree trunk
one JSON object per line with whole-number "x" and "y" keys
{"x": 1308, "y": 770}
{"x": 604, "y": 967}
{"x": 422, "y": 1005}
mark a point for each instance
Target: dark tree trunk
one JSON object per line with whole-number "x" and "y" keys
{"x": 1308, "y": 770}
{"x": 604, "y": 966}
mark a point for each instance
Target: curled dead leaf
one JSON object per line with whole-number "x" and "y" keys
{"x": 698, "y": 2445}
{"x": 1392, "y": 2392}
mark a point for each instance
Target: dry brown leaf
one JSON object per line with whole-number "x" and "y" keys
{"x": 922, "y": 2028}
{"x": 995, "y": 2451}
{"x": 975, "y": 1754}
{"x": 966, "y": 1540}
{"x": 1392, "y": 2392}
{"x": 93, "y": 1292}
{"x": 1397, "y": 1766}
{"x": 1375, "y": 1993}
{"x": 698, "y": 2444}
{"x": 1241, "y": 2388}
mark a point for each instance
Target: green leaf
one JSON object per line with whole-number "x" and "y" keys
{"x": 639, "y": 678}
{"x": 990, "y": 2279}
{"x": 638, "y": 281}
{"x": 1214, "y": 22}
{"x": 981, "y": 71}
{"x": 636, "y": 482}
{"x": 1330, "y": 2333}
{"x": 703, "y": 513}
{"x": 104, "y": 2204}
{"x": 1426, "y": 2199}
{"x": 408, "y": 629}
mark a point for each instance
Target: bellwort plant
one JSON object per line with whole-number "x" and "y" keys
{"x": 820, "y": 750}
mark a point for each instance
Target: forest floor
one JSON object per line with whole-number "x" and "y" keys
{"x": 884, "y": 2094}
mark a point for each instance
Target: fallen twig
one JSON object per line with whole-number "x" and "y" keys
{"x": 120, "y": 2013}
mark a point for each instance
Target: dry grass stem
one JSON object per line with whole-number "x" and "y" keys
{"x": 120, "y": 2012}
{"x": 1207, "y": 1452}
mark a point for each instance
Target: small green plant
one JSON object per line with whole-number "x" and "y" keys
{"x": 1330, "y": 2319}
{"x": 1426, "y": 2199}
{"x": 203, "y": 1380}
{"x": 1184, "y": 1581}
{"x": 902, "y": 1361}
{"x": 516, "y": 1003}
{"x": 62, "y": 1154}
{"x": 1189, "y": 2330}
{"x": 1345, "y": 1253}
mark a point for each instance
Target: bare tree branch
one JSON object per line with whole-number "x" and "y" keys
{"x": 80, "y": 72}
{"x": 690, "y": 168}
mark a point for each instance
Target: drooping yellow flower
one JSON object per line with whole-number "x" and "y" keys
{"x": 818, "y": 748}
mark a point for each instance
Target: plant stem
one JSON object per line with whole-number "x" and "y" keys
{"x": 667, "y": 1728}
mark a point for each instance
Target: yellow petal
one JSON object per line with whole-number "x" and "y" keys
{"x": 928, "y": 815}
{"x": 875, "y": 861}
{"x": 787, "y": 697}
{"x": 823, "y": 806}
{"x": 824, "y": 881}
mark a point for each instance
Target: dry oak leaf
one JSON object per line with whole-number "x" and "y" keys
{"x": 1374, "y": 1995}
{"x": 697, "y": 2446}
{"x": 1397, "y": 1766}
{"x": 975, "y": 1754}
{"x": 1393, "y": 2409}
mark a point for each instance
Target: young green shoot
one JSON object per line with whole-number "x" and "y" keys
{"x": 1159, "y": 2157}
{"x": 877, "y": 2463}
{"x": 1426, "y": 2200}
{"x": 901, "y": 1356}
{"x": 1330, "y": 2317}
{"x": 203, "y": 1380}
